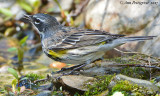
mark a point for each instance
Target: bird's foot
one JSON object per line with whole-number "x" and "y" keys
{"x": 69, "y": 68}
{"x": 73, "y": 71}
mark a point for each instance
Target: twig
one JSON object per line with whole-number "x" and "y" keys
{"x": 43, "y": 80}
{"x": 105, "y": 11}
{"x": 149, "y": 63}
{"x": 137, "y": 53}
{"x": 79, "y": 9}
{"x": 136, "y": 65}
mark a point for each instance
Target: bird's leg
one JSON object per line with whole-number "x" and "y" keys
{"x": 75, "y": 69}
{"x": 78, "y": 67}
{"x": 71, "y": 72}
{"x": 69, "y": 68}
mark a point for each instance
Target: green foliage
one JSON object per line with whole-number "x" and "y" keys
{"x": 12, "y": 49}
{"x": 6, "y": 12}
{"x": 35, "y": 3}
{"x": 32, "y": 77}
{"x": 20, "y": 52}
{"x": 125, "y": 60}
{"x": 58, "y": 4}
{"x": 14, "y": 82}
{"x": 13, "y": 72}
{"x": 99, "y": 85}
{"x": 126, "y": 88}
{"x": 20, "y": 55}
{"x": 136, "y": 72}
{"x": 23, "y": 41}
{"x": 25, "y": 5}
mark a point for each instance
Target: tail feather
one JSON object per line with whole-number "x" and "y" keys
{"x": 139, "y": 38}
{"x": 122, "y": 40}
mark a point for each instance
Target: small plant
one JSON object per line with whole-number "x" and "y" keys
{"x": 25, "y": 83}
{"x": 14, "y": 82}
{"x": 20, "y": 52}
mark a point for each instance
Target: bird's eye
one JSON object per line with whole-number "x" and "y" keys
{"x": 37, "y": 21}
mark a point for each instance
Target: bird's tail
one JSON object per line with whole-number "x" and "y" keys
{"x": 123, "y": 40}
{"x": 137, "y": 38}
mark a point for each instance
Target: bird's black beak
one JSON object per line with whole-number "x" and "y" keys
{"x": 28, "y": 17}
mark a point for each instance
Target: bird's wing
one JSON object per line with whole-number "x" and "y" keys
{"x": 79, "y": 38}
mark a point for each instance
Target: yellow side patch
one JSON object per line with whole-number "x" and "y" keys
{"x": 58, "y": 53}
{"x": 102, "y": 43}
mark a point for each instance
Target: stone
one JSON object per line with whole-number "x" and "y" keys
{"x": 100, "y": 69}
{"x": 147, "y": 85}
{"x": 45, "y": 93}
{"x": 76, "y": 82}
{"x": 4, "y": 69}
{"x": 119, "y": 17}
{"x": 130, "y": 19}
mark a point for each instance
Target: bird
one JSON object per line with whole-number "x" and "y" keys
{"x": 73, "y": 45}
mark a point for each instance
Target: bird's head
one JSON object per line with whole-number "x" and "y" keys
{"x": 42, "y": 22}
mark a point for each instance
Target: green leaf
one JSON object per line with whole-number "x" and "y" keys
{"x": 13, "y": 72}
{"x": 20, "y": 55}
{"x": 14, "y": 82}
{"x": 50, "y": 10}
{"x": 12, "y": 49}
{"x": 25, "y": 6}
{"x": 19, "y": 89}
{"x": 6, "y": 12}
{"x": 24, "y": 78}
{"x": 23, "y": 41}
{"x": 36, "y": 3}
{"x": 58, "y": 4}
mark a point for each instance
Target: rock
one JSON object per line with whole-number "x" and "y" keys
{"x": 45, "y": 93}
{"x": 131, "y": 19}
{"x": 100, "y": 69}
{"x": 147, "y": 86}
{"x": 120, "y": 17}
{"x": 157, "y": 81}
{"x": 4, "y": 69}
{"x": 75, "y": 82}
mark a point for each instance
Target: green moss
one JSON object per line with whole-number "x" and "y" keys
{"x": 126, "y": 88}
{"x": 125, "y": 60}
{"x": 99, "y": 85}
{"x": 136, "y": 72}
{"x": 32, "y": 77}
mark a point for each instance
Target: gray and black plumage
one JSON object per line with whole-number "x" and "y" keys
{"x": 75, "y": 45}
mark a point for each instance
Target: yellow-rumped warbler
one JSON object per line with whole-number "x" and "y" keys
{"x": 75, "y": 45}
